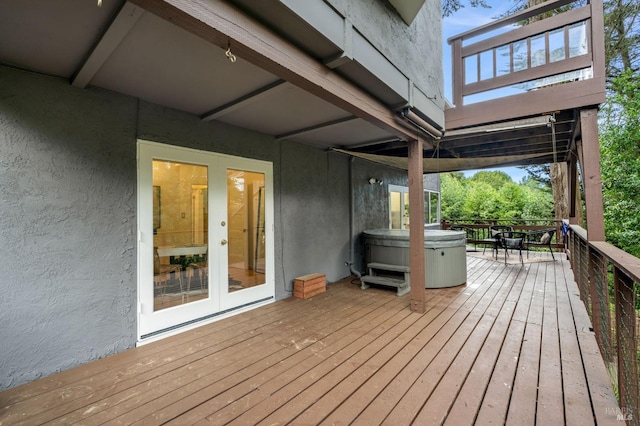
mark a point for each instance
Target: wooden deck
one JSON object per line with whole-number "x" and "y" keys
{"x": 512, "y": 346}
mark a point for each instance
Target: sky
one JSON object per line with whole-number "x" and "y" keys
{"x": 463, "y": 20}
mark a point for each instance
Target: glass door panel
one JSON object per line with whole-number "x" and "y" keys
{"x": 180, "y": 233}
{"x": 246, "y": 229}
{"x": 396, "y": 209}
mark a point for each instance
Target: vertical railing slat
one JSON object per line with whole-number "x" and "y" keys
{"x": 627, "y": 346}
{"x": 600, "y": 309}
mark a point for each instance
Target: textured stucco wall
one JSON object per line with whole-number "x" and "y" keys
{"x": 416, "y": 49}
{"x": 371, "y": 202}
{"x": 67, "y": 225}
{"x": 68, "y": 215}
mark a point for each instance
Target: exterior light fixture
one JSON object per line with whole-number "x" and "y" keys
{"x": 373, "y": 181}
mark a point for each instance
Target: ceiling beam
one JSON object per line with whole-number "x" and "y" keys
{"x": 317, "y": 127}
{"x": 126, "y": 18}
{"x": 225, "y": 26}
{"x": 245, "y": 100}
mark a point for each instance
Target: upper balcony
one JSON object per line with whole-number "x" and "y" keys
{"x": 548, "y": 65}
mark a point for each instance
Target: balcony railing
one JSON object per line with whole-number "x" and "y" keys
{"x": 608, "y": 280}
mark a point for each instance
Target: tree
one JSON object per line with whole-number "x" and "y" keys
{"x": 481, "y": 201}
{"x": 496, "y": 179}
{"x": 453, "y": 194}
{"x": 451, "y": 6}
{"x": 620, "y": 158}
{"x": 478, "y": 198}
{"x": 622, "y": 38}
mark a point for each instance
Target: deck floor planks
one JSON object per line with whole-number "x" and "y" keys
{"x": 435, "y": 302}
{"x": 524, "y": 395}
{"x": 357, "y": 355}
{"x": 573, "y": 377}
{"x": 358, "y": 392}
{"x": 294, "y": 398}
{"x": 550, "y": 399}
{"x": 467, "y": 403}
{"x": 495, "y": 403}
{"x": 158, "y": 349}
{"x": 381, "y": 404}
{"x": 437, "y": 407}
{"x": 182, "y": 384}
{"x": 425, "y": 381}
{"x": 235, "y": 392}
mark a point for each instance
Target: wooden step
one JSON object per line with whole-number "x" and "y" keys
{"x": 388, "y": 267}
{"x": 401, "y": 284}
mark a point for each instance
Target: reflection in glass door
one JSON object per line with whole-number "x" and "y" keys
{"x": 246, "y": 231}
{"x": 180, "y": 233}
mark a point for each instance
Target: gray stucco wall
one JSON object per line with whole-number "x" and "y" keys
{"x": 67, "y": 225}
{"x": 68, "y": 215}
{"x": 415, "y": 49}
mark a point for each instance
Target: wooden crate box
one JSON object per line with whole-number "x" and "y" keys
{"x": 309, "y": 285}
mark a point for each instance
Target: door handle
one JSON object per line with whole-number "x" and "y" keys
{"x": 223, "y": 242}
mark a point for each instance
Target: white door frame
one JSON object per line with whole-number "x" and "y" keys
{"x": 152, "y": 325}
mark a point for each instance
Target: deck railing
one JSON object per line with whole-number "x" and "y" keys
{"x": 478, "y": 229}
{"x": 608, "y": 280}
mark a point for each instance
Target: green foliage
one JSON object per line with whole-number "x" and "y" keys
{"x": 452, "y": 192}
{"x": 495, "y": 179}
{"x": 480, "y": 201}
{"x": 493, "y": 195}
{"x": 620, "y": 160}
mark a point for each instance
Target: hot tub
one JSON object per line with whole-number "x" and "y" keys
{"x": 445, "y": 254}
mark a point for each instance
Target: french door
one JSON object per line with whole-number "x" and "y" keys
{"x": 205, "y": 236}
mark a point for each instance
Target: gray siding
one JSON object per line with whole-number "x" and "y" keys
{"x": 68, "y": 215}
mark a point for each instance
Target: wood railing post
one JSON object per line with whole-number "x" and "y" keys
{"x": 457, "y": 71}
{"x": 627, "y": 345}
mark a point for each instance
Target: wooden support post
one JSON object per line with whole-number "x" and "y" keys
{"x": 572, "y": 184}
{"x": 591, "y": 174}
{"x": 627, "y": 346}
{"x": 416, "y": 227}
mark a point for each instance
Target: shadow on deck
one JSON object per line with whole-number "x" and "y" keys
{"x": 514, "y": 345}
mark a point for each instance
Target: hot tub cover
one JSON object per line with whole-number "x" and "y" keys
{"x": 432, "y": 238}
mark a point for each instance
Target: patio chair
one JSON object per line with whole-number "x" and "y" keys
{"x": 541, "y": 238}
{"x": 512, "y": 241}
{"x": 495, "y": 233}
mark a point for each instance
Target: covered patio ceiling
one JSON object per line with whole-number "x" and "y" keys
{"x": 124, "y": 47}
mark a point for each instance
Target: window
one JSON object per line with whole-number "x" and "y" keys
{"x": 399, "y": 207}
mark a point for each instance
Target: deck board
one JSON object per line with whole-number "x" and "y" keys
{"x": 512, "y": 346}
